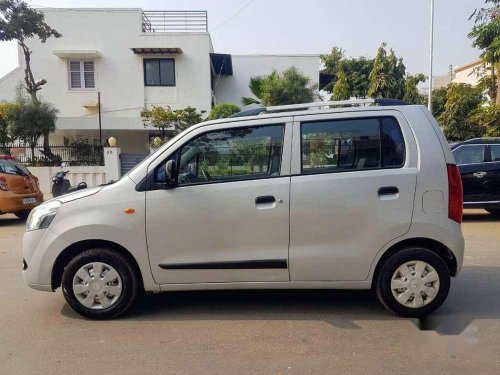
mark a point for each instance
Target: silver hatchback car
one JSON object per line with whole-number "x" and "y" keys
{"x": 341, "y": 195}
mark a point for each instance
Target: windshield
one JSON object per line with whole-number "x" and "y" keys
{"x": 12, "y": 166}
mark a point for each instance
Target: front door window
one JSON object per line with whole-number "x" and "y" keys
{"x": 232, "y": 155}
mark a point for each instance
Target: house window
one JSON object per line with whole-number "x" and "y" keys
{"x": 159, "y": 72}
{"x": 81, "y": 74}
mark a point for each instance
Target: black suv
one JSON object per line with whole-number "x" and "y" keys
{"x": 479, "y": 163}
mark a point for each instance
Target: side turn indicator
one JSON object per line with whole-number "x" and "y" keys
{"x": 129, "y": 211}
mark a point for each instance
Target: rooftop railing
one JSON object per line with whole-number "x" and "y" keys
{"x": 175, "y": 21}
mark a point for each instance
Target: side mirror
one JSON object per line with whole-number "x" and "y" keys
{"x": 81, "y": 185}
{"x": 171, "y": 172}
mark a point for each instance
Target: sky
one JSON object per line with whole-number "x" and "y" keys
{"x": 314, "y": 26}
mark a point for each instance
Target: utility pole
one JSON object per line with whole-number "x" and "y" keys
{"x": 100, "y": 125}
{"x": 431, "y": 52}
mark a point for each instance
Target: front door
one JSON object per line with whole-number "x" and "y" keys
{"x": 352, "y": 192}
{"x": 227, "y": 220}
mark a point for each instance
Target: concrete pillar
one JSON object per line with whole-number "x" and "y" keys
{"x": 112, "y": 163}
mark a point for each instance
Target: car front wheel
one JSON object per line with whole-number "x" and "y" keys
{"x": 100, "y": 284}
{"x": 413, "y": 282}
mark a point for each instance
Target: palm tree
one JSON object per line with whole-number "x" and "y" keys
{"x": 287, "y": 87}
{"x": 255, "y": 87}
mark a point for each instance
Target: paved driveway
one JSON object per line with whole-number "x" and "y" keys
{"x": 269, "y": 332}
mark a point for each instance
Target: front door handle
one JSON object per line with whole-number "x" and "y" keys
{"x": 480, "y": 174}
{"x": 265, "y": 199}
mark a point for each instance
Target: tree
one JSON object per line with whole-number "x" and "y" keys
{"x": 223, "y": 110}
{"x": 333, "y": 62}
{"x": 28, "y": 120}
{"x": 356, "y": 70}
{"x": 411, "y": 94}
{"x": 486, "y": 36}
{"x": 438, "y": 101}
{"x": 488, "y": 117}
{"x": 20, "y": 22}
{"x": 175, "y": 121}
{"x": 379, "y": 78}
{"x": 387, "y": 77}
{"x": 341, "y": 90}
{"x": 5, "y": 137}
{"x": 186, "y": 118}
{"x": 396, "y": 76}
{"x": 161, "y": 118}
{"x": 287, "y": 87}
{"x": 256, "y": 84}
{"x": 461, "y": 100}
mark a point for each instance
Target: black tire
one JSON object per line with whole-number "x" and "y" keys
{"x": 23, "y": 215}
{"x": 130, "y": 282}
{"x": 383, "y": 281}
{"x": 494, "y": 212}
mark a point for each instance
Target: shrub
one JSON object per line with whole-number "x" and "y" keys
{"x": 223, "y": 110}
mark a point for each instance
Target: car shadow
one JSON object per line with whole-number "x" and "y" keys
{"x": 476, "y": 215}
{"x": 470, "y": 298}
{"x": 10, "y": 220}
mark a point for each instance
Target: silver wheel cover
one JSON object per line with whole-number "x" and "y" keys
{"x": 415, "y": 284}
{"x": 97, "y": 286}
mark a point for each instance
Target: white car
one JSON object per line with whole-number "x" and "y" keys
{"x": 335, "y": 195}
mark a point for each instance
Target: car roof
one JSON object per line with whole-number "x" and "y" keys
{"x": 478, "y": 141}
{"x": 314, "y": 105}
{"x": 355, "y": 105}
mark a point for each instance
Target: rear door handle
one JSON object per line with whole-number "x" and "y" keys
{"x": 388, "y": 190}
{"x": 265, "y": 199}
{"x": 480, "y": 174}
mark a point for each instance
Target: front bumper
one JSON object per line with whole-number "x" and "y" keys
{"x": 40, "y": 251}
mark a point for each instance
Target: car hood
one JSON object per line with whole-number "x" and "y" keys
{"x": 78, "y": 194}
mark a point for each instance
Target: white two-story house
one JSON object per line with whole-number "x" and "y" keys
{"x": 136, "y": 59}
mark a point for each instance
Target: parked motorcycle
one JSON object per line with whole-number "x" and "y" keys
{"x": 61, "y": 185}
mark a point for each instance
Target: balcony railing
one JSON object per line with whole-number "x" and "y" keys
{"x": 175, "y": 21}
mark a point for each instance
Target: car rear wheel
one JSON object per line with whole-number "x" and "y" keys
{"x": 413, "y": 282}
{"x": 23, "y": 215}
{"x": 100, "y": 284}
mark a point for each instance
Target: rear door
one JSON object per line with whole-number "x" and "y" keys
{"x": 352, "y": 191}
{"x": 493, "y": 176}
{"x": 471, "y": 159}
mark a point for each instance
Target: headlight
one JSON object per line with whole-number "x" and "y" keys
{"x": 41, "y": 216}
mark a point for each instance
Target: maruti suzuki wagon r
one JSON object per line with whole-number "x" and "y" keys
{"x": 342, "y": 195}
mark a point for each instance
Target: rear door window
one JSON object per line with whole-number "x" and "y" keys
{"x": 469, "y": 154}
{"x": 495, "y": 152}
{"x": 351, "y": 144}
